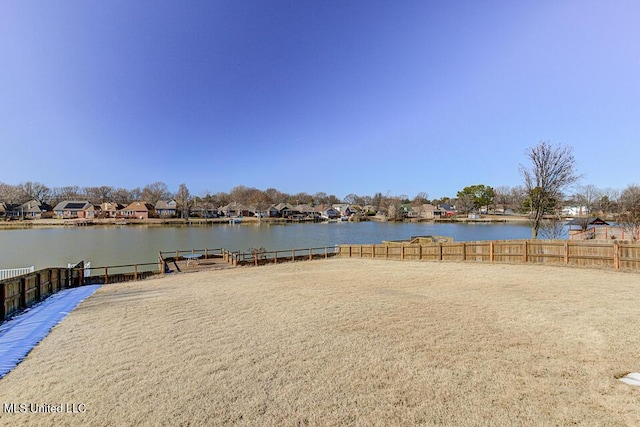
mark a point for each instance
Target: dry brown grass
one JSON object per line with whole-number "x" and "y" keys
{"x": 345, "y": 342}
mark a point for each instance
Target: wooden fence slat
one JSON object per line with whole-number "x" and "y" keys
{"x": 613, "y": 255}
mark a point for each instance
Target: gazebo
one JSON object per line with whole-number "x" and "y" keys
{"x": 583, "y": 228}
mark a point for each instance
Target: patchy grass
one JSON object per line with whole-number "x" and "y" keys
{"x": 344, "y": 342}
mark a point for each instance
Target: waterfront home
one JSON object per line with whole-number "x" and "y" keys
{"x": 307, "y": 211}
{"x": 272, "y": 212}
{"x": 71, "y": 209}
{"x": 137, "y": 210}
{"x": 449, "y": 210}
{"x": 10, "y": 211}
{"x": 428, "y": 211}
{"x": 281, "y": 210}
{"x": 234, "y": 209}
{"x": 330, "y": 213}
{"x": 575, "y": 211}
{"x": 344, "y": 209}
{"x": 204, "y": 209}
{"x": 166, "y": 209}
{"x": 110, "y": 209}
{"x": 33, "y": 209}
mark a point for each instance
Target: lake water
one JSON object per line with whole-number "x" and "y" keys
{"x": 114, "y": 245}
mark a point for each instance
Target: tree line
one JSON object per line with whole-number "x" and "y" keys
{"x": 473, "y": 198}
{"x": 547, "y": 181}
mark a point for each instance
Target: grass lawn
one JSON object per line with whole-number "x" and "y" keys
{"x": 344, "y": 342}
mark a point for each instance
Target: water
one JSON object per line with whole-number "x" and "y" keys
{"x": 113, "y": 245}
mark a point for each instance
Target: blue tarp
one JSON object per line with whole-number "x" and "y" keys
{"x": 20, "y": 334}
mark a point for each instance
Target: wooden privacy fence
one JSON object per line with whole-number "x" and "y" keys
{"x": 18, "y": 293}
{"x": 23, "y": 291}
{"x": 614, "y": 255}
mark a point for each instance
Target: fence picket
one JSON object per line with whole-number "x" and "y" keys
{"x": 8, "y": 273}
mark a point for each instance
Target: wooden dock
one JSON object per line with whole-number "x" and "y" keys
{"x": 188, "y": 266}
{"x": 216, "y": 259}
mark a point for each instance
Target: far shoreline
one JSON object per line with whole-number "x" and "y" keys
{"x": 198, "y": 222}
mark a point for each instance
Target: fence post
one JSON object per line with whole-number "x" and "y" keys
{"x": 491, "y": 251}
{"x": 135, "y": 272}
{"x": 255, "y": 259}
{"x": 106, "y": 275}
{"x": 349, "y": 251}
{"x": 524, "y": 252}
{"x": 293, "y": 254}
{"x": 566, "y": 253}
{"x": 310, "y": 254}
{"x": 38, "y": 287}
{"x": 464, "y": 251}
{"x": 440, "y": 251}
{"x": 616, "y": 256}
{"x": 23, "y": 293}
{"x": 419, "y": 252}
{"x": 326, "y": 254}
{"x": 386, "y": 251}
{"x": 206, "y": 253}
{"x": 402, "y": 253}
{"x": 275, "y": 258}
{"x": 3, "y": 293}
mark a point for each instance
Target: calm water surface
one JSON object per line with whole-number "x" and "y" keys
{"x": 115, "y": 245}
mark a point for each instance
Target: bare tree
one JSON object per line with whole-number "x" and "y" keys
{"x": 183, "y": 199}
{"x": 394, "y": 208}
{"x": 300, "y": 199}
{"x": 34, "y": 190}
{"x": 502, "y": 196}
{"x": 629, "y": 218}
{"x": 378, "y": 201}
{"x": 421, "y": 198}
{"x": 241, "y": 194}
{"x": 155, "y": 192}
{"x": 9, "y": 193}
{"x": 70, "y": 192}
{"x": 135, "y": 194}
{"x": 552, "y": 228}
{"x": 277, "y": 196}
{"x": 351, "y": 199}
{"x": 98, "y": 194}
{"x": 607, "y": 201}
{"x": 261, "y": 201}
{"x": 122, "y": 196}
{"x": 465, "y": 202}
{"x": 586, "y": 197}
{"x": 552, "y": 170}
{"x": 516, "y": 199}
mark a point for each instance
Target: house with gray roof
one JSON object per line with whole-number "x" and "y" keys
{"x": 71, "y": 209}
{"x": 166, "y": 209}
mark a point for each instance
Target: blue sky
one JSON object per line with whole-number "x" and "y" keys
{"x": 335, "y": 96}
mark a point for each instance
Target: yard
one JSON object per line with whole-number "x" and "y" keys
{"x": 344, "y": 342}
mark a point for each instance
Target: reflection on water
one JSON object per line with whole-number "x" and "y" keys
{"x": 130, "y": 244}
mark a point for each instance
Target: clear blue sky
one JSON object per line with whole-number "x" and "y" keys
{"x": 334, "y": 96}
